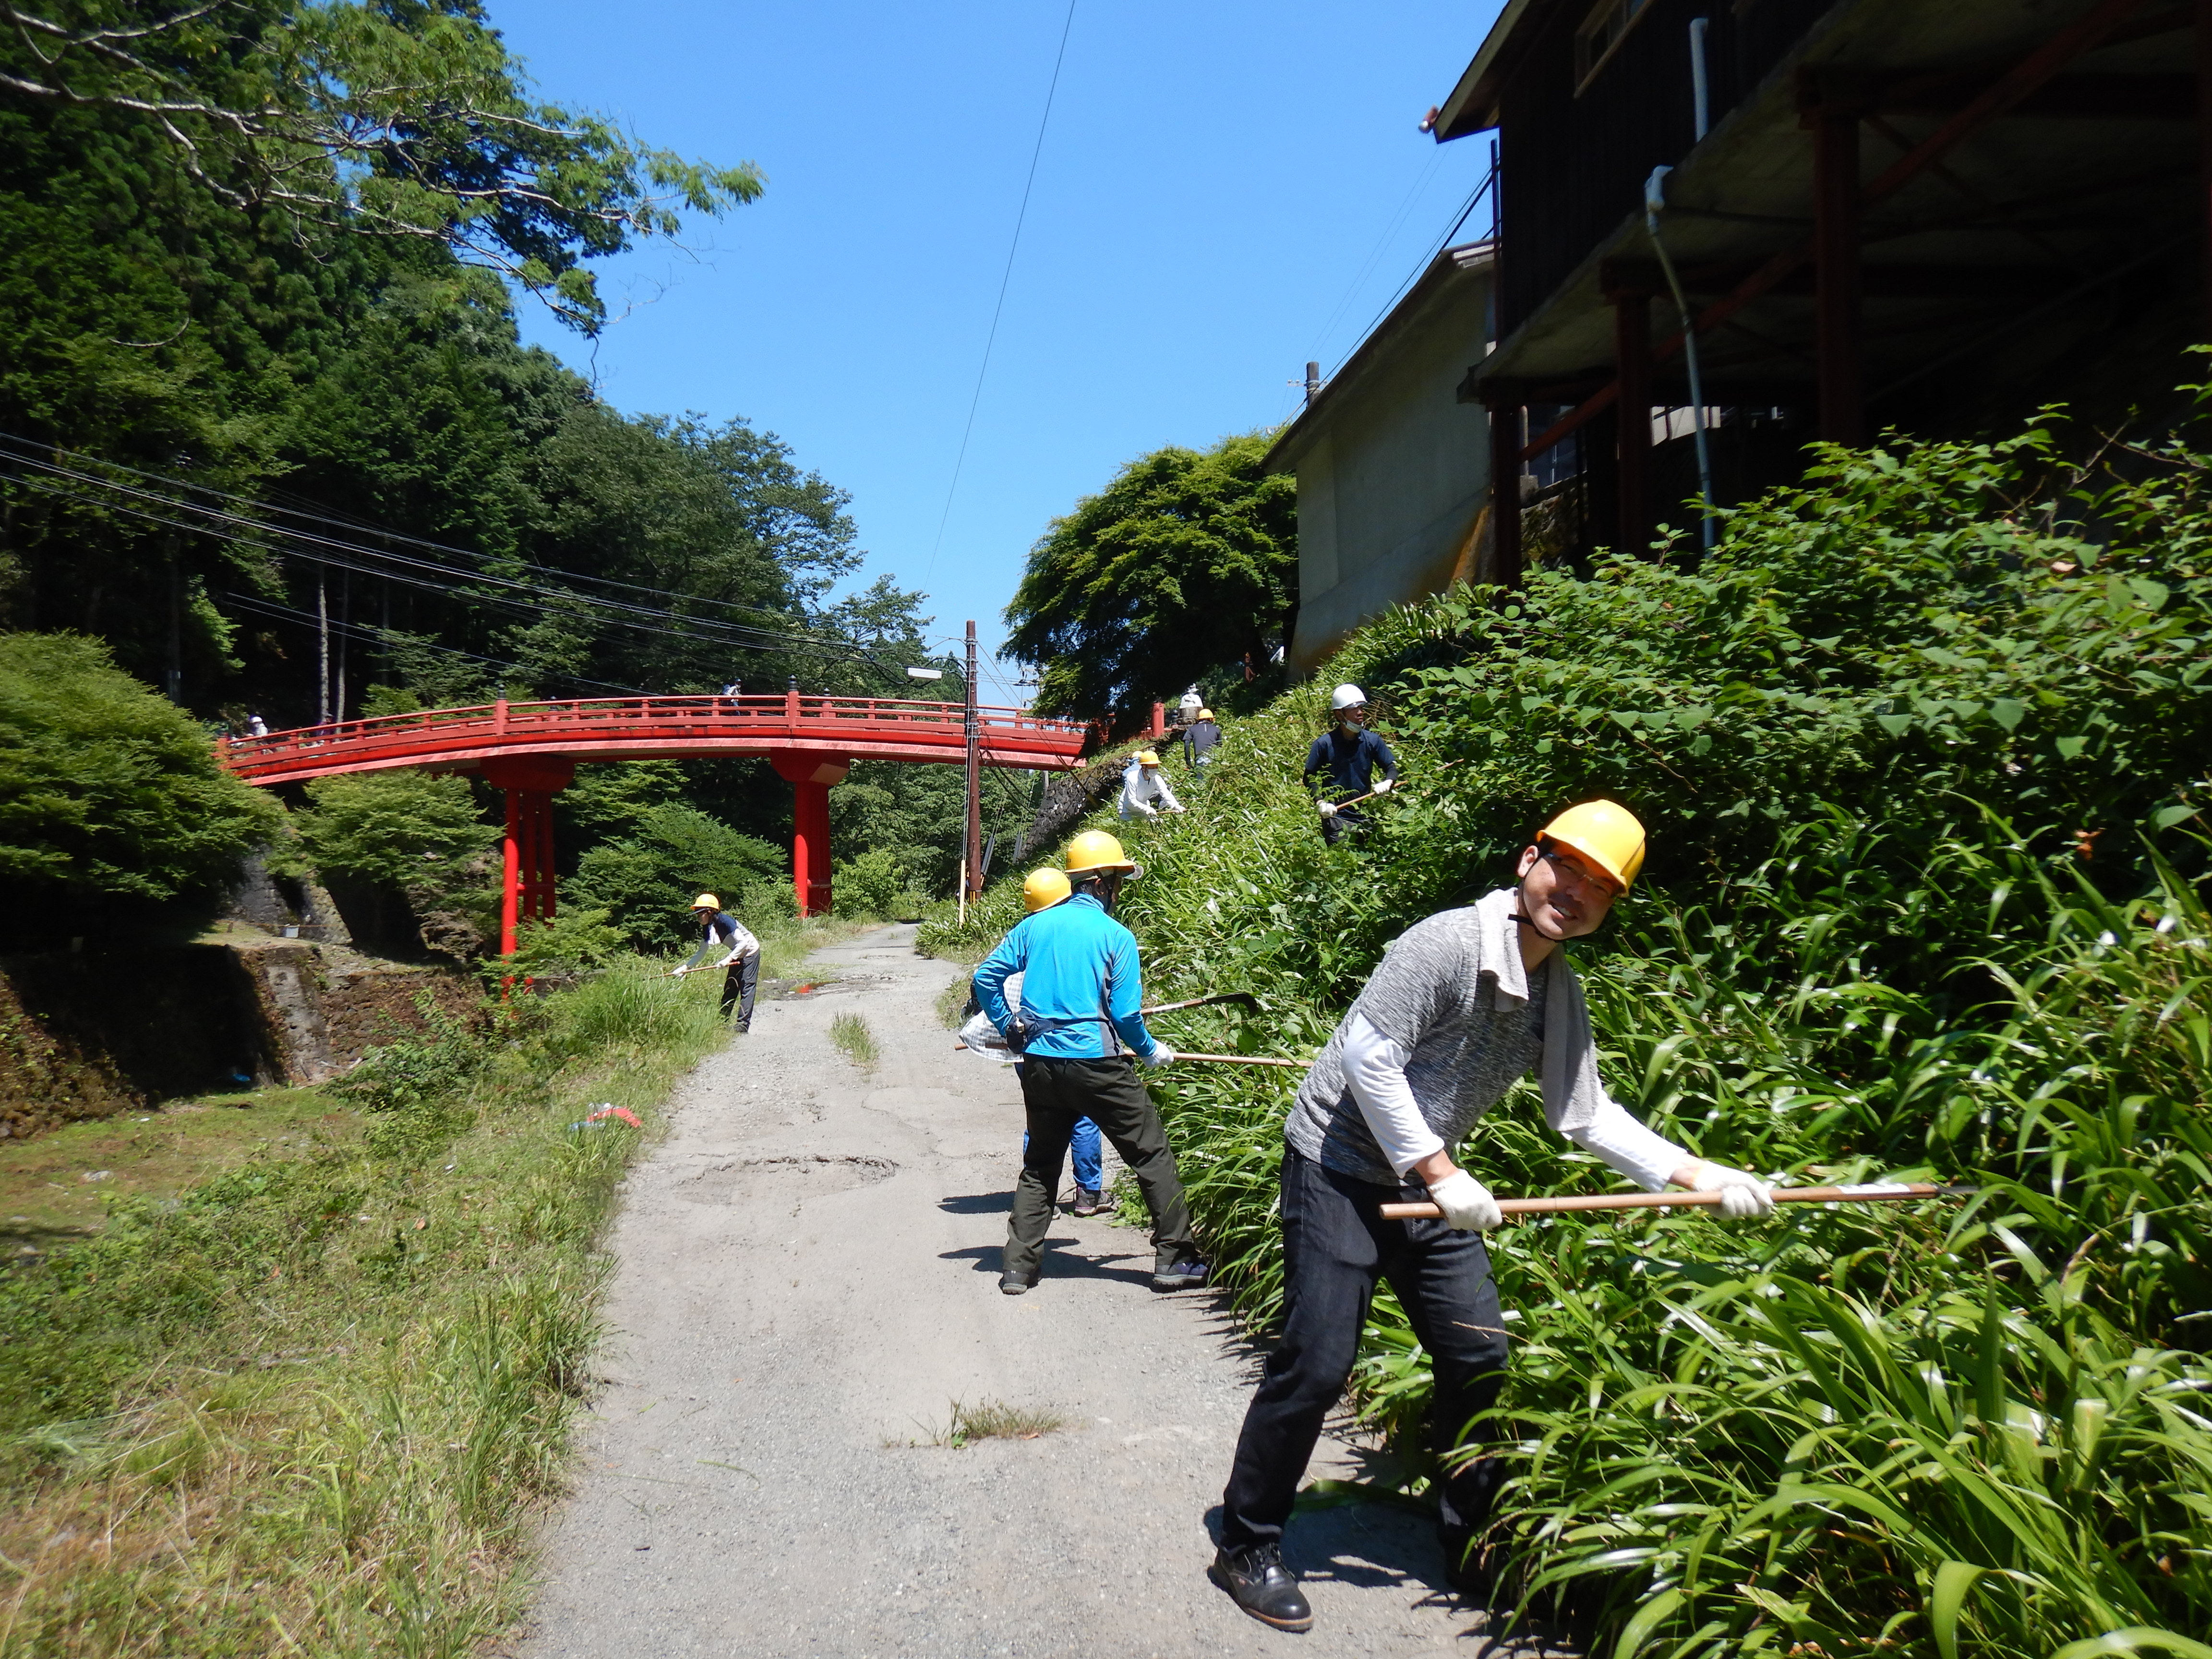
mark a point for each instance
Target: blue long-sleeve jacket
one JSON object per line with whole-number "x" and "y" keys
{"x": 1077, "y": 963}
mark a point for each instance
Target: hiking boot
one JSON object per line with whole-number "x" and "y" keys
{"x": 1017, "y": 1284}
{"x": 1258, "y": 1581}
{"x": 1187, "y": 1275}
{"x": 1088, "y": 1201}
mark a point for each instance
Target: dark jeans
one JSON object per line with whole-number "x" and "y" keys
{"x": 1058, "y": 1092}
{"x": 1348, "y": 820}
{"x": 740, "y": 982}
{"x": 1335, "y": 1247}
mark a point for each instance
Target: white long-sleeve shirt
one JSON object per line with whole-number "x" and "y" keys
{"x": 1145, "y": 792}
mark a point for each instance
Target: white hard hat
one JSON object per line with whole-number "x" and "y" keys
{"x": 1344, "y": 697}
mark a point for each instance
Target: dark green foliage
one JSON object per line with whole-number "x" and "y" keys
{"x": 644, "y": 880}
{"x": 108, "y": 795}
{"x": 417, "y": 837}
{"x": 1187, "y": 560}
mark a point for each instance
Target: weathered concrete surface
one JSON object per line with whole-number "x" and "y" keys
{"x": 808, "y": 1278}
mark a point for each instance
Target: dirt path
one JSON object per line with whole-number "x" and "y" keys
{"x": 808, "y": 1278}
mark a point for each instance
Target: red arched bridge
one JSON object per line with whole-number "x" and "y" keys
{"x": 530, "y": 750}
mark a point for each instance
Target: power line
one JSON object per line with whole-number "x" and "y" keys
{"x": 990, "y": 339}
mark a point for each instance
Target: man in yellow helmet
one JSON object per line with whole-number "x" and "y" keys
{"x": 1144, "y": 792}
{"x": 1462, "y": 1006}
{"x": 1200, "y": 739}
{"x": 1078, "y": 1026}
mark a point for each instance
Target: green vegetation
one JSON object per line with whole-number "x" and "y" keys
{"x": 1187, "y": 561}
{"x": 310, "y": 1403}
{"x": 110, "y": 801}
{"x": 1922, "y": 750}
{"x": 992, "y": 1419}
{"x": 851, "y": 1033}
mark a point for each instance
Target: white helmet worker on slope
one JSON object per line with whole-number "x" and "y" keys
{"x": 1342, "y": 766}
{"x": 1346, "y": 696}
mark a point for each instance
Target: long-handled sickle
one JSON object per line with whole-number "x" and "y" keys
{"x": 1215, "y": 1059}
{"x": 1884, "y": 1192}
{"x": 1244, "y": 997}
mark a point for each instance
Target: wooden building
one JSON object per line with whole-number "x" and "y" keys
{"x": 1393, "y": 465}
{"x": 1932, "y": 215}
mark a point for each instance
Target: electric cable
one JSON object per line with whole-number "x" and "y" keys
{"x": 1006, "y": 278}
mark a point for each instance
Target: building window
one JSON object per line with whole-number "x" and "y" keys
{"x": 1607, "y": 24}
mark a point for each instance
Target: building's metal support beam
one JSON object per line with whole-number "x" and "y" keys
{"x": 1836, "y": 278}
{"x": 1505, "y": 459}
{"x": 2204, "y": 144}
{"x": 1632, "y": 344}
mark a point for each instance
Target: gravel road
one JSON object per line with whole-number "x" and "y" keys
{"x": 808, "y": 1279}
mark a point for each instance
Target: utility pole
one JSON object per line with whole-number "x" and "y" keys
{"x": 973, "y": 853}
{"x": 1313, "y": 383}
{"x": 323, "y": 637}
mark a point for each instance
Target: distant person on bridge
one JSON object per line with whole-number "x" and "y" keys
{"x": 1346, "y": 756}
{"x": 256, "y": 726}
{"x": 1200, "y": 739}
{"x": 1187, "y": 709}
{"x": 1081, "y": 989}
{"x": 1144, "y": 792}
{"x": 1465, "y": 1005}
{"x": 720, "y": 931}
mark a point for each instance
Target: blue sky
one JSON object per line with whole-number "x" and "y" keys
{"x": 1225, "y": 189}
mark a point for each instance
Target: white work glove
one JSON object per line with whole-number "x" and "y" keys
{"x": 1161, "y": 1055}
{"x": 1328, "y": 809}
{"x": 1145, "y": 811}
{"x": 1467, "y": 1203}
{"x": 1383, "y": 787}
{"x": 1743, "y": 1195}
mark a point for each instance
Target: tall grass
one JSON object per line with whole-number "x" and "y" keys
{"x": 313, "y": 1406}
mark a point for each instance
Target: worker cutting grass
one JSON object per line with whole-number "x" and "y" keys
{"x": 740, "y": 956}
{"x": 1342, "y": 763}
{"x": 1144, "y": 790}
{"x": 1078, "y": 1027}
{"x": 1465, "y": 1004}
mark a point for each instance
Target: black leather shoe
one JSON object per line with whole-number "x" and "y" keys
{"x": 1258, "y": 1581}
{"x": 1017, "y": 1284}
{"x": 1188, "y": 1275}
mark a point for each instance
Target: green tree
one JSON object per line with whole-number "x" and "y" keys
{"x": 646, "y": 880}
{"x": 110, "y": 798}
{"x": 418, "y": 835}
{"x": 1187, "y": 559}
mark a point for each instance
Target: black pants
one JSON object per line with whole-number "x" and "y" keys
{"x": 1346, "y": 820}
{"x": 1058, "y": 1093}
{"x": 1335, "y": 1247}
{"x": 738, "y": 988}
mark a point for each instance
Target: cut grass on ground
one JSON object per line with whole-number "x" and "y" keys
{"x": 990, "y": 1419}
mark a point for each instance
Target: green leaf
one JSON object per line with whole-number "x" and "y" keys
{"x": 1896, "y": 725}
{"x": 2136, "y": 1639}
{"x": 2008, "y": 712}
{"x": 1953, "y": 1579}
{"x": 2071, "y": 748}
{"x": 2153, "y": 594}
{"x": 2166, "y": 816}
{"x": 1647, "y": 1619}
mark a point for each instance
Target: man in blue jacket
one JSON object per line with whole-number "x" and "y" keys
{"x": 1078, "y": 1024}
{"x": 1346, "y": 758}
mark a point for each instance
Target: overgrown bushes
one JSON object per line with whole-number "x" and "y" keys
{"x": 1922, "y": 749}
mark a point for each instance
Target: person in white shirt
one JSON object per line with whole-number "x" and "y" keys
{"x": 722, "y": 935}
{"x": 1144, "y": 792}
{"x": 1460, "y": 1007}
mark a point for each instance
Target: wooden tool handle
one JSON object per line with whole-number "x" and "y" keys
{"x": 1216, "y": 1060}
{"x": 1888, "y": 1192}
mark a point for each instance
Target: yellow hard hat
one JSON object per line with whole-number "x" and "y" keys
{"x": 1147, "y": 757}
{"x": 1094, "y": 849}
{"x": 1606, "y": 833}
{"x": 706, "y": 902}
{"x": 1205, "y": 714}
{"x": 1044, "y": 888}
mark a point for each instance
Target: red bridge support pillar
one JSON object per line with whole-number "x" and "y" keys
{"x": 529, "y": 782}
{"x": 810, "y": 775}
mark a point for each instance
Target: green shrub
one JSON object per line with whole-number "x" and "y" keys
{"x": 645, "y": 881}
{"x": 109, "y": 796}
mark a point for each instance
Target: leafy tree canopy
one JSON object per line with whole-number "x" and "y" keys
{"x": 404, "y": 119}
{"x": 645, "y": 881}
{"x": 107, "y": 793}
{"x": 1187, "y": 559}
